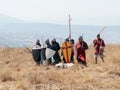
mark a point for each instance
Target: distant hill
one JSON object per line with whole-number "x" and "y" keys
{"x": 4, "y": 19}
{"x": 8, "y": 23}
{"x": 23, "y": 32}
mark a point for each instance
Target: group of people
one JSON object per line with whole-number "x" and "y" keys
{"x": 39, "y": 50}
{"x": 78, "y": 51}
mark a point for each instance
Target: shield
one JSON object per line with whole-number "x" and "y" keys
{"x": 49, "y": 53}
{"x": 67, "y": 51}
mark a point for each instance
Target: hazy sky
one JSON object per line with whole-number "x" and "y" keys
{"x": 93, "y": 12}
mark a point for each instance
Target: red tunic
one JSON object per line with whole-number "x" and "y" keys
{"x": 97, "y": 44}
{"x": 80, "y": 50}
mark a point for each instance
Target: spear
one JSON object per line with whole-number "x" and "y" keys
{"x": 28, "y": 49}
{"x": 102, "y": 29}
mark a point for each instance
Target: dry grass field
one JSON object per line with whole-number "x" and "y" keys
{"x": 19, "y": 72}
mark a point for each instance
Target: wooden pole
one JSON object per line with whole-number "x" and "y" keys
{"x": 69, "y": 27}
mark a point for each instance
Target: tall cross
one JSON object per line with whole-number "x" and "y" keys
{"x": 69, "y": 26}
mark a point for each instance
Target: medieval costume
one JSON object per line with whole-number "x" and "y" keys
{"x": 66, "y": 40}
{"x": 99, "y": 47}
{"x": 72, "y": 54}
{"x": 81, "y": 46}
{"x": 36, "y": 52}
{"x": 56, "y": 47}
{"x": 43, "y": 57}
{"x": 47, "y": 42}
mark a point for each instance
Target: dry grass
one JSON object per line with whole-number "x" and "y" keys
{"x": 7, "y": 75}
{"x": 19, "y": 72}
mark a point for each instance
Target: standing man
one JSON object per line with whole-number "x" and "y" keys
{"x": 81, "y": 46}
{"x": 36, "y": 52}
{"x": 47, "y": 42}
{"x": 72, "y": 54}
{"x": 43, "y": 57}
{"x": 66, "y": 40}
{"x": 99, "y": 48}
{"x": 56, "y": 47}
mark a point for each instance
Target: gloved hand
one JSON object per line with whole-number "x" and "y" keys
{"x": 83, "y": 48}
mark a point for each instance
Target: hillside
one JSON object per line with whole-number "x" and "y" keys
{"x": 5, "y": 19}
{"x": 23, "y": 33}
{"x": 19, "y": 72}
